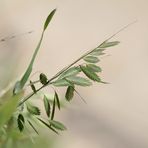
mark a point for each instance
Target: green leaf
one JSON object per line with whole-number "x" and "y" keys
{"x": 90, "y": 74}
{"x": 70, "y": 72}
{"x": 109, "y": 44}
{"x": 47, "y": 106}
{"x": 33, "y": 109}
{"x": 49, "y": 18}
{"x": 60, "y": 83}
{"x": 33, "y": 127}
{"x": 47, "y": 125}
{"x": 94, "y": 68}
{"x": 58, "y": 125}
{"x": 79, "y": 81}
{"x": 53, "y": 109}
{"x": 91, "y": 59}
{"x": 43, "y": 79}
{"x": 56, "y": 97}
{"x": 20, "y": 122}
{"x": 7, "y": 109}
{"x": 98, "y": 49}
{"x": 20, "y": 84}
{"x": 69, "y": 93}
{"x": 33, "y": 87}
{"x": 97, "y": 53}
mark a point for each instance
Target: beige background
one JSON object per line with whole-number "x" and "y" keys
{"x": 116, "y": 115}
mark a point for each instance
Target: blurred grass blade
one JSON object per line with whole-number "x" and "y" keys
{"x": 47, "y": 125}
{"x": 7, "y": 109}
{"x": 33, "y": 127}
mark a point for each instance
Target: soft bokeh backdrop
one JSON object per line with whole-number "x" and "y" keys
{"x": 116, "y": 115}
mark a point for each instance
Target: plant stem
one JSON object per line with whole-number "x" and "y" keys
{"x": 70, "y": 65}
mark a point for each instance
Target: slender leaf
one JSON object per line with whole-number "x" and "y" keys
{"x": 57, "y": 100}
{"x": 49, "y": 18}
{"x": 94, "y": 68}
{"x": 109, "y": 44}
{"x": 58, "y": 125}
{"x": 43, "y": 79}
{"x": 20, "y": 122}
{"x": 47, "y": 106}
{"x": 33, "y": 109}
{"x": 90, "y": 74}
{"x": 70, "y": 72}
{"x": 60, "y": 83}
{"x": 47, "y": 125}
{"x": 53, "y": 109}
{"x": 33, "y": 127}
{"x": 69, "y": 93}
{"x": 97, "y": 53}
{"x": 79, "y": 81}
{"x": 20, "y": 84}
{"x": 91, "y": 59}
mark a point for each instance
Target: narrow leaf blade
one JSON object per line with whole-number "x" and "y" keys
{"x": 47, "y": 106}
{"x": 70, "y": 72}
{"x": 53, "y": 109}
{"x": 57, "y": 125}
{"x": 94, "y": 68}
{"x": 109, "y": 44}
{"x": 57, "y": 100}
{"x": 47, "y": 125}
{"x": 90, "y": 74}
{"x": 91, "y": 59}
{"x": 49, "y": 18}
{"x": 79, "y": 81}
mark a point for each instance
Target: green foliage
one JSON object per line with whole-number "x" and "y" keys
{"x": 21, "y": 122}
{"x": 56, "y": 98}
{"x": 57, "y": 125}
{"x": 33, "y": 109}
{"x": 20, "y": 84}
{"x": 73, "y": 75}
{"x": 69, "y": 93}
{"x": 90, "y": 73}
{"x": 93, "y": 68}
{"x": 7, "y": 109}
{"x": 91, "y": 59}
{"x": 47, "y": 106}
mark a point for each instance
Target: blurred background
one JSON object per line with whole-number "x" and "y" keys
{"x": 116, "y": 115}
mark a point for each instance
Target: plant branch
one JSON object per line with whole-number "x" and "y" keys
{"x": 70, "y": 65}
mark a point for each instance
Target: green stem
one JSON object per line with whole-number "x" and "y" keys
{"x": 73, "y": 63}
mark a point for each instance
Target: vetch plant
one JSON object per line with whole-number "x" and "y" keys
{"x": 19, "y": 114}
